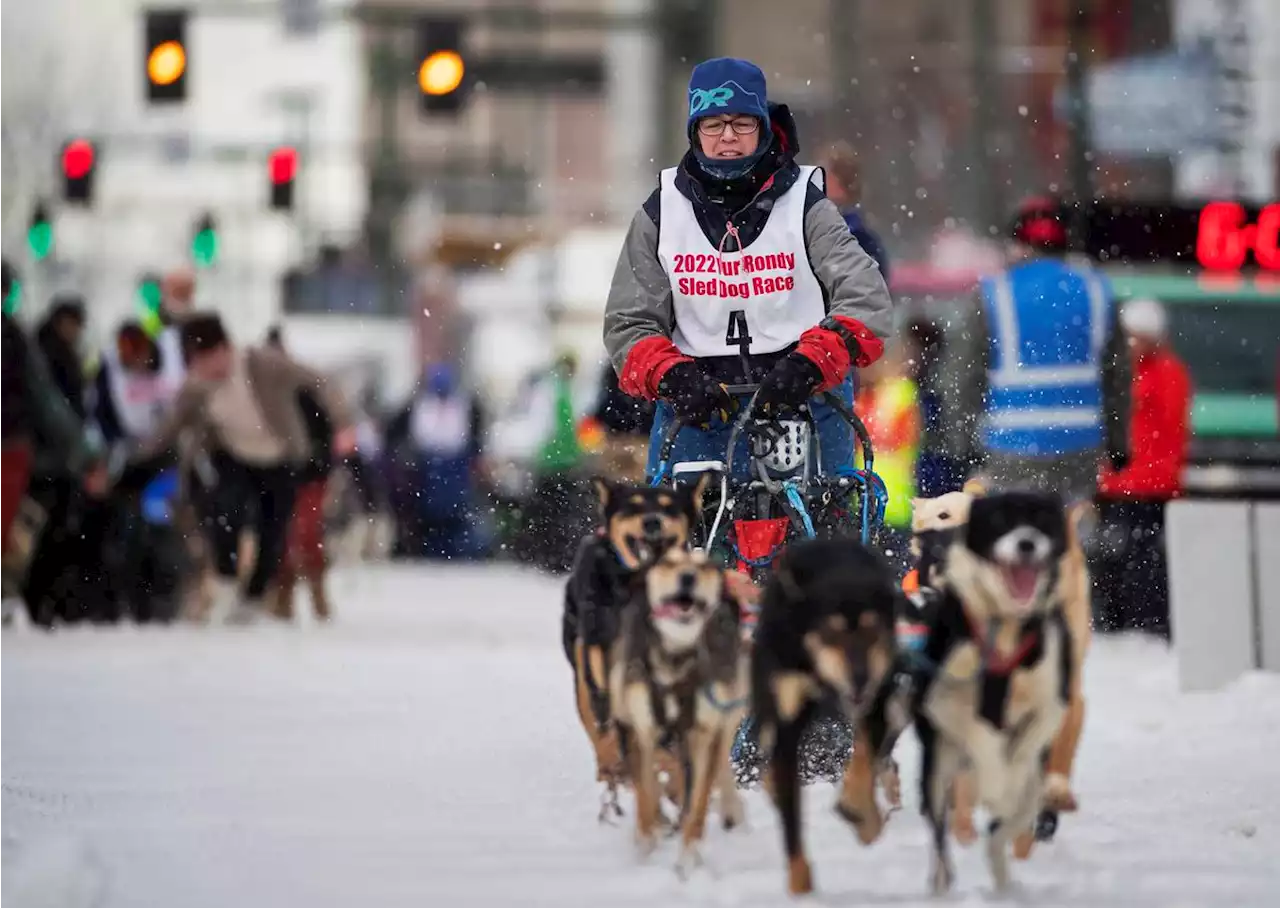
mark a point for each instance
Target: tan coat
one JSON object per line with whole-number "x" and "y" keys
{"x": 275, "y": 380}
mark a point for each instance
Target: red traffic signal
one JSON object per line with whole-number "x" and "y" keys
{"x": 78, "y": 159}
{"x": 282, "y": 167}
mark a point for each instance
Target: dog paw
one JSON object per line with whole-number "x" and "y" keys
{"x": 868, "y": 824}
{"x": 941, "y": 878}
{"x": 690, "y": 860}
{"x": 1046, "y": 826}
{"x": 962, "y": 828}
{"x": 892, "y": 785}
{"x": 732, "y": 813}
{"x": 799, "y": 877}
{"x": 1058, "y": 795}
{"x": 646, "y": 844}
{"x": 610, "y": 809}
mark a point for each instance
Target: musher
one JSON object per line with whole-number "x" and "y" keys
{"x": 738, "y": 269}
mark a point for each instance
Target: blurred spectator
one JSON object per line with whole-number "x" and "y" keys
{"x": 59, "y": 338}
{"x": 889, "y": 405}
{"x": 246, "y": 404}
{"x": 1133, "y": 579}
{"x": 177, "y": 299}
{"x": 844, "y": 188}
{"x": 1041, "y": 367}
{"x": 134, "y": 387}
{"x": 441, "y": 429}
{"x": 560, "y": 511}
{"x": 305, "y": 556}
{"x": 45, "y": 457}
{"x": 626, "y": 421}
{"x": 364, "y": 465}
{"x": 943, "y": 464}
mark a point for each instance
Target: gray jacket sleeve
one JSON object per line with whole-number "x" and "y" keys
{"x": 639, "y": 303}
{"x": 852, "y": 279}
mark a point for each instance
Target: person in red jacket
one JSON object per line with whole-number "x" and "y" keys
{"x": 1133, "y": 580}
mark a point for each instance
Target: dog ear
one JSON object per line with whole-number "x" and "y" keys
{"x": 604, "y": 491}
{"x": 975, "y": 487}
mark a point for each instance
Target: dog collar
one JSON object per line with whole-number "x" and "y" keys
{"x": 724, "y": 706}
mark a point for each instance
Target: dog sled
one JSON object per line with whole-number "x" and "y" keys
{"x": 788, "y": 494}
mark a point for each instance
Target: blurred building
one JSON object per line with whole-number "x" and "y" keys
{"x": 959, "y": 109}
{"x": 257, "y": 76}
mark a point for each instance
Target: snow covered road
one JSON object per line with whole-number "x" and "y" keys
{"x": 423, "y": 751}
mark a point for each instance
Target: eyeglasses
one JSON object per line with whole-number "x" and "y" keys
{"x": 743, "y": 126}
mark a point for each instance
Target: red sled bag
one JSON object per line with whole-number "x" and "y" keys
{"x": 756, "y": 543}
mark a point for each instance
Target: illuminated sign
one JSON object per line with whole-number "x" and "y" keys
{"x": 1217, "y": 236}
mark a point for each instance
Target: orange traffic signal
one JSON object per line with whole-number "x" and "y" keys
{"x": 441, "y": 72}
{"x": 165, "y": 63}
{"x": 442, "y": 67}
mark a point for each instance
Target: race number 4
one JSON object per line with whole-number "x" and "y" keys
{"x": 738, "y": 334}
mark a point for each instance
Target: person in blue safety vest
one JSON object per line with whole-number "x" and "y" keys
{"x": 739, "y": 269}
{"x": 1043, "y": 370}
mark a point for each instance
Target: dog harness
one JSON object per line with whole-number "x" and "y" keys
{"x": 951, "y": 624}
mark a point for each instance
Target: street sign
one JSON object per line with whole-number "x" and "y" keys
{"x": 1161, "y": 104}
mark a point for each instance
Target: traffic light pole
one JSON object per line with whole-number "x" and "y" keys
{"x": 387, "y": 182}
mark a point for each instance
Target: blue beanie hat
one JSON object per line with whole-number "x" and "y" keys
{"x": 727, "y": 85}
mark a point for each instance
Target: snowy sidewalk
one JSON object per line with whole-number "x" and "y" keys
{"x": 423, "y": 751}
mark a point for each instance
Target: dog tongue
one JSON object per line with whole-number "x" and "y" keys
{"x": 1022, "y": 581}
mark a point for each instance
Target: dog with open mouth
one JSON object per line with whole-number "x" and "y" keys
{"x": 640, "y": 524}
{"x": 1000, "y": 653}
{"x": 679, "y": 676}
{"x": 825, "y": 641}
{"x": 935, "y": 524}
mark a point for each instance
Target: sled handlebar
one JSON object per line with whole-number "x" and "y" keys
{"x": 846, "y": 413}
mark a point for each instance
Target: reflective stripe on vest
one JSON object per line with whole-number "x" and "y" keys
{"x": 1048, "y": 332}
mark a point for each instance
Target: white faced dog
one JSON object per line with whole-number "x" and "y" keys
{"x": 1002, "y": 653}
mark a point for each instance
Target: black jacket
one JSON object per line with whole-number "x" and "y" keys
{"x": 15, "y": 416}
{"x": 620, "y": 413}
{"x": 320, "y": 432}
{"x": 64, "y": 366}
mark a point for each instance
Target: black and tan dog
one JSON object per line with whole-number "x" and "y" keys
{"x": 826, "y": 636}
{"x": 1000, "y": 655}
{"x": 679, "y": 675}
{"x": 640, "y": 523}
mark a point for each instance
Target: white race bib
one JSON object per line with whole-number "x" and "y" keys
{"x": 729, "y": 301}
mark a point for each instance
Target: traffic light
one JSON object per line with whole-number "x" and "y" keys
{"x": 442, "y": 66}
{"x": 282, "y": 168}
{"x": 40, "y": 233}
{"x": 204, "y": 241}
{"x": 164, "y": 63}
{"x": 79, "y": 158}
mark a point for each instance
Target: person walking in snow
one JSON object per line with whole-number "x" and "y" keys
{"x": 246, "y": 403}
